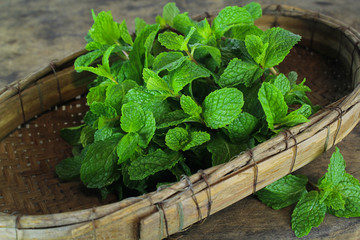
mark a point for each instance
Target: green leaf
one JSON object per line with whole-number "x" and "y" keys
{"x": 168, "y": 61}
{"x": 280, "y": 43}
{"x": 87, "y": 136}
{"x": 99, "y": 168}
{"x": 349, "y": 190}
{"x": 139, "y": 25}
{"x": 296, "y": 117}
{"x": 283, "y": 192}
{"x": 172, "y": 119}
{"x": 87, "y": 59}
{"x": 309, "y": 212}
{"x": 190, "y": 106}
{"x": 154, "y": 82}
{"x": 116, "y": 93}
{"x": 72, "y": 134}
{"x": 222, "y": 151}
{"x": 149, "y": 101}
{"x": 238, "y": 72}
{"x": 201, "y": 51}
{"x": 282, "y": 83}
{"x": 335, "y": 201}
{"x": 103, "y": 109}
{"x": 69, "y": 168}
{"x": 127, "y": 147}
{"x": 170, "y": 11}
{"x": 105, "y": 30}
{"x": 273, "y": 104}
{"x": 148, "y": 130}
{"x": 335, "y": 172}
{"x": 241, "y": 128}
{"x": 222, "y": 106}
{"x": 229, "y": 17}
{"x": 254, "y": 9}
{"x": 97, "y": 94}
{"x": 124, "y": 33}
{"x": 241, "y": 32}
{"x": 256, "y": 48}
{"x": 132, "y": 118}
{"x": 185, "y": 74}
{"x": 152, "y": 163}
{"x": 180, "y": 139}
{"x": 177, "y": 138}
{"x": 105, "y": 133}
{"x": 171, "y": 40}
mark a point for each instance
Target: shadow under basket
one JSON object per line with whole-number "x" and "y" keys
{"x": 34, "y": 203}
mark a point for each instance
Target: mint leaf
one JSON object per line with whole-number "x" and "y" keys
{"x": 180, "y": 139}
{"x": 177, "y": 138}
{"x": 168, "y": 61}
{"x": 254, "y": 9}
{"x": 172, "y": 119}
{"x": 148, "y": 130}
{"x": 201, "y": 51}
{"x": 335, "y": 200}
{"x": 116, "y": 93}
{"x": 238, "y": 72}
{"x": 222, "y": 106}
{"x": 154, "y": 82}
{"x": 185, "y": 74}
{"x": 229, "y": 17}
{"x": 72, "y": 134}
{"x": 256, "y": 48}
{"x": 222, "y": 151}
{"x": 190, "y": 106}
{"x": 152, "y": 163}
{"x": 97, "y": 94}
{"x": 87, "y": 59}
{"x": 105, "y": 30}
{"x": 124, "y": 33}
{"x": 69, "y": 168}
{"x": 103, "y": 109}
{"x": 335, "y": 172}
{"x": 296, "y": 117}
{"x": 280, "y": 43}
{"x": 282, "y": 83}
{"x": 127, "y": 147}
{"x": 171, "y": 40}
{"x": 132, "y": 118}
{"x": 283, "y": 192}
{"x": 105, "y": 133}
{"x": 349, "y": 190}
{"x": 309, "y": 212}
{"x": 241, "y": 32}
{"x": 139, "y": 25}
{"x": 241, "y": 128}
{"x": 170, "y": 11}
{"x": 99, "y": 168}
{"x": 273, "y": 104}
{"x": 87, "y": 136}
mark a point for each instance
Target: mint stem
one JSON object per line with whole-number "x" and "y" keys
{"x": 273, "y": 71}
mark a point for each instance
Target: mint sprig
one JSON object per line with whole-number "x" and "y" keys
{"x": 179, "y": 96}
{"x": 337, "y": 193}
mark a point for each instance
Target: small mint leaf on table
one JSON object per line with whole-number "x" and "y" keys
{"x": 309, "y": 212}
{"x": 152, "y": 163}
{"x": 335, "y": 172}
{"x": 99, "y": 167}
{"x": 238, "y": 72}
{"x": 132, "y": 118}
{"x": 283, "y": 192}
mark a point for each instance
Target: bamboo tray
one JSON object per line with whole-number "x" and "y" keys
{"x": 40, "y": 207}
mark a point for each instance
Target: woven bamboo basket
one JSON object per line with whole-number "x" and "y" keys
{"x": 35, "y": 205}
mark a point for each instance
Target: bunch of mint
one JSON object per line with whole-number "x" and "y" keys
{"x": 337, "y": 193}
{"x": 182, "y": 95}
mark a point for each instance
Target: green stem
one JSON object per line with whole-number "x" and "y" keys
{"x": 273, "y": 71}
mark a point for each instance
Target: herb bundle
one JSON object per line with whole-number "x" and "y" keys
{"x": 181, "y": 96}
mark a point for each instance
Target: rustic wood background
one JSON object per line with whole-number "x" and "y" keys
{"x": 34, "y": 33}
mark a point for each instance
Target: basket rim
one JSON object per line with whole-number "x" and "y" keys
{"x": 77, "y": 217}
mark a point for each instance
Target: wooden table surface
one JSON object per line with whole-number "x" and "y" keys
{"x": 34, "y": 33}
